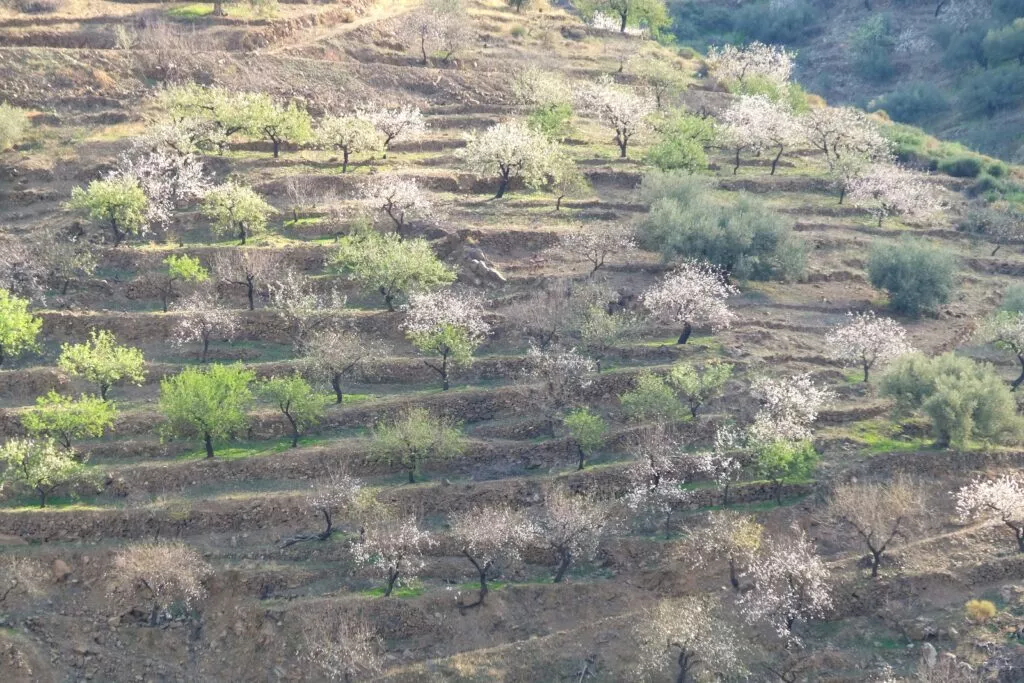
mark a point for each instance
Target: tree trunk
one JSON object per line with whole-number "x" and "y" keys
{"x": 412, "y": 475}
{"x": 277, "y": 146}
{"x": 622, "y": 24}
{"x": 336, "y": 385}
{"x": 842, "y": 194}
{"x": 1020, "y": 378}
{"x": 876, "y": 561}
{"x": 344, "y": 160}
{"x": 558, "y": 203}
{"x": 482, "y": 572}
{"x": 867, "y": 368}
{"x": 685, "y": 335}
{"x": 208, "y": 441}
{"x": 392, "y": 578}
{"x": 67, "y": 283}
{"x": 775, "y": 161}
{"x": 444, "y": 372}
{"x": 668, "y": 524}
{"x": 218, "y": 8}
{"x": 42, "y": 498}
{"x": 104, "y": 388}
{"x": 778, "y": 492}
{"x": 734, "y": 578}
{"x": 881, "y": 217}
{"x": 564, "y": 560}
{"x": 389, "y": 299}
{"x": 623, "y": 143}
{"x": 582, "y": 457}
{"x": 684, "y": 667}
{"x": 502, "y": 186}
{"x": 295, "y": 429}
{"x": 250, "y": 293}
{"x": 163, "y": 298}
{"x": 725, "y": 495}
{"x": 423, "y": 49}
{"x": 1019, "y": 533}
{"x": 206, "y": 346}
{"x": 998, "y": 247}
{"x": 1, "y": 355}
{"x": 736, "y": 168}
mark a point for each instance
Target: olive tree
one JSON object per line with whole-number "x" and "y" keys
{"x": 414, "y": 436}
{"x": 119, "y": 203}
{"x": 102, "y": 361}
{"x": 18, "y": 328}
{"x": 917, "y": 275}
{"x": 39, "y": 466}
{"x": 298, "y": 402}
{"x": 235, "y": 209}
{"x": 447, "y": 324}
{"x": 210, "y": 403}
{"x": 510, "y": 150}
{"x": 65, "y": 419}
{"x": 866, "y": 341}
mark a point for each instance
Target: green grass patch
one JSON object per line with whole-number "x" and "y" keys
{"x": 883, "y": 436}
{"x": 191, "y": 12}
{"x": 412, "y": 590}
{"x": 250, "y": 449}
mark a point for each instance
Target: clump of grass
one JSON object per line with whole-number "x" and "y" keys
{"x": 979, "y": 611}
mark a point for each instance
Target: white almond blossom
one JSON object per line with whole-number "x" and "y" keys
{"x": 429, "y": 312}
{"x": 490, "y": 536}
{"x": 1000, "y": 499}
{"x": 690, "y": 633}
{"x": 304, "y": 307}
{"x": 399, "y": 123}
{"x": 620, "y": 107}
{"x": 731, "y": 64}
{"x": 694, "y": 294}
{"x": 865, "y": 340}
{"x": 562, "y": 373}
{"x": 788, "y": 407}
{"x": 571, "y": 526}
{"x": 509, "y": 150}
{"x": 840, "y": 132}
{"x": 400, "y": 198}
{"x": 890, "y": 190}
{"x": 203, "y": 317}
{"x": 758, "y": 124}
{"x": 595, "y": 245}
{"x": 394, "y": 548}
{"x": 167, "y": 178}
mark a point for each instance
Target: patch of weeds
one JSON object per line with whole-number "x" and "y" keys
{"x": 882, "y": 436}
{"x": 412, "y": 590}
{"x": 191, "y": 12}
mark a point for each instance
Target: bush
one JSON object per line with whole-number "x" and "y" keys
{"x": 745, "y": 238}
{"x": 653, "y": 400}
{"x": 873, "y": 43}
{"x": 997, "y": 169}
{"x": 965, "y": 48}
{"x": 992, "y": 90}
{"x": 964, "y": 399}
{"x": 913, "y": 103}
{"x": 917, "y": 275}
{"x": 553, "y": 120}
{"x": 683, "y": 139}
{"x": 961, "y": 167}
{"x": 774, "y": 22}
{"x": 980, "y": 611}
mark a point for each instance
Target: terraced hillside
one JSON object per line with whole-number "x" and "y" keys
{"x": 68, "y": 618}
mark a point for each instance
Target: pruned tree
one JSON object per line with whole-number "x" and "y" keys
{"x": 587, "y": 431}
{"x": 571, "y": 526}
{"x": 333, "y": 494}
{"x": 759, "y": 124}
{"x": 66, "y": 420}
{"x": 694, "y": 294}
{"x": 696, "y": 387}
{"x": 163, "y": 573}
{"x": 438, "y": 27}
{"x": 167, "y": 178}
{"x": 401, "y": 199}
{"x": 118, "y": 203}
{"x": 210, "y": 403}
{"x": 843, "y": 132}
{"x": 889, "y": 190}
{"x": 183, "y": 268}
{"x": 1000, "y": 500}
{"x": 489, "y": 537}
{"x": 235, "y": 209}
{"x": 562, "y": 376}
{"x": 41, "y": 466}
{"x": 413, "y": 437}
{"x": 447, "y": 324}
{"x": 102, "y": 361}
{"x": 394, "y": 548}
{"x": 594, "y": 246}
{"x": 1005, "y": 329}
{"x": 879, "y": 513}
{"x": 731, "y": 64}
{"x": 247, "y": 267}
{"x": 349, "y": 134}
{"x": 866, "y": 341}
{"x": 726, "y": 536}
{"x": 392, "y": 266}
{"x": 791, "y": 584}
{"x": 303, "y": 305}
{"x": 19, "y": 329}
{"x": 511, "y": 150}
{"x": 331, "y": 355}
{"x": 344, "y": 648}
{"x": 301, "y": 405}
{"x": 201, "y": 318}
{"x": 398, "y": 123}
{"x": 543, "y": 315}
{"x": 690, "y": 633}
{"x": 281, "y": 124}
{"x": 619, "y": 107}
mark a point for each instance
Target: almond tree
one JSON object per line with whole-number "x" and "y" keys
{"x": 866, "y": 341}
{"x": 209, "y": 404}
{"x": 731, "y": 64}
{"x": 885, "y": 189}
{"x": 693, "y": 294}
{"x": 40, "y": 466}
{"x": 757, "y": 123}
{"x": 1005, "y": 329}
{"x": 414, "y": 436}
{"x": 342, "y": 647}
{"x": 394, "y": 548}
{"x": 571, "y": 526}
{"x": 438, "y": 26}
{"x": 448, "y": 324}
{"x": 102, "y": 362}
{"x": 659, "y": 75}
{"x": 657, "y": 475}
{"x": 509, "y": 150}
{"x": 334, "y": 494}
{"x": 594, "y": 246}
{"x": 202, "y": 317}
{"x": 18, "y": 327}
{"x": 164, "y": 573}
{"x": 167, "y": 178}
{"x": 878, "y": 513}
{"x": 489, "y": 536}
{"x": 563, "y": 375}
{"x": 303, "y": 306}
{"x": 268, "y": 119}
{"x": 727, "y": 536}
{"x": 1000, "y": 500}
{"x": 183, "y": 268}
{"x": 544, "y": 314}
{"x": 119, "y": 203}
{"x": 350, "y": 134}
{"x": 691, "y": 633}
{"x": 791, "y": 584}
{"x": 248, "y": 268}
{"x": 618, "y": 107}
{"x": 788, "y": 407}
{"x": 696, "y": 387}
{"x": 298, "y": 402}
{"x": 400, "y": 198}
{"x": 65, "y": 419}
{"x": 843, "y": 132}
{"x": 331, "y": 355}
{"x": 587, "y": 431}
{"x": 399, "y": 123}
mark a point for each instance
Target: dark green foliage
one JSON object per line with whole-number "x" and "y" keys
{"x": 1005, "y": 44}
{"x": 913, "y": 103}
{"x": 964, "y": 399}
{"x": 779, "y": 23}
{"x": 682, "y": 141}
{"x": 745, "y": 238}
{"x": 992, "y": 90}
{"x": 961, "y": 167}
{"x": 1013, "y": 299}
{"x": 917, "y": 275}
{"x": 873, "y": 45}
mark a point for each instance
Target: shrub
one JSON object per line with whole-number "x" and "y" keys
{"x": 992, "y": 90}
{"x": 553, "y": 120}
{"x": 996, "y": 169}
{"x": 913, "y": 103}
{"x": 979, "y": 611}
{"x": 745, "y": 238}
{"x": 917, "y": 275}
{"x": 964, "y": 399}
{"x": 518, "y": 31}
{"x": 13, "y": 123}
{"x": 961, "y": 166}
{"x": 653, "y": 400}
{"x": 777, "y": 22}
{"x": 683, "y": 139}
{"x": 873, "y": 43}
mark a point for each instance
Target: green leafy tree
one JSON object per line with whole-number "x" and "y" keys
{"x": 649, "y": 14}
{"x": 118, "y": 203}
{"x": 210, "y": 403}
{"x": 1000, "y": 44}
{"x": 553, "y": 119}
{"x": 781, "y": 460}
{"x": 39, "y": 466}
{"x": 651, "y": 400}
{"x": 587, "y": 430}
{"x": 296, "y": 399}
{"x": 446, "y": 324}
{"x": 349, "y": 135}
{"x": 280, "y": 124}
{"x": 392, "y": 266}
{"x": 917, "y": 275}
{"x": 102, "y": 362}
{"x": 18, "y": 328}
{"x": 13, "y": 123}
{"x": 696, "y": 387}
{"x": 237, "y": 209}
{"x": 601, "y": 331}
{"x": 964, "y": 399}
{"x": 182, "y": 268}
{"x": 682, "y": 143}
{"x": 413, "y": 437}
{"x": 65, "y": 419}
